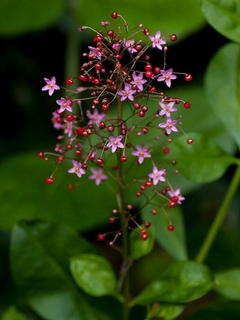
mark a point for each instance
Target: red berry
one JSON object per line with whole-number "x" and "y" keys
{"x": 148, "y": 183}
{"x": 157, "y": 70}
{"x": 144, "y": 108}
{"x": 148, "y": 74}
{"x": 111, "y": 219}
{"x": 69, "y": 117}
{"x": 174, "y": 199}
{"x": 172, "y": 204}
{"x": 141, "y": 114}
{"x": 78, "y": 152}
{"x": 110, "y": 128}
{"x": 190, "y": 140}
{"x": 143, "y": 231}
{"x": 101, "y": 125}
{"x": 147, "y": 224}
{"x": 49, "y": 180}
{"x": 82, "y": 77}
{"x": 40, "y": 154}
{"x": 146, "y": 32}
{"x": 188, "y": 77}
{"x": 166, "y": 150}
{"x": 187, "y": 105}
{"x": 105, "y": 107}
{"x": 136, "y": 105}
{"x": 171, "y": 227}
{"x": 69, "y": 82}
{"x": 145, "y": 130}
{"x": 148, "y": 67}
{"x": 154, "y": 211}
{"x": 80, "y": 131}
{"x": 60, "y": 159}
{"x": 142, "y": 188}
{"x": 173, "y": 37}
{"x": 138, "y": 194}
{"x": 144, "y": 236}
{"x": 71, "y": 187}
{"x": 101, "y": 237}
{"x": 123, "y": 159}
{"x": 110, "y": 33}
{"x": 114, "y": 15}
{"x": 100, "y": 161}
{"x": 98, "y": 66}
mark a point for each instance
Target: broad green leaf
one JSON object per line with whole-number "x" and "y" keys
{"x": 173, "y": 242}
{"x": 40, "y": 253}
{"x": 202, "y": 161}
{"x": 93, "y": 274}
{"x": 167, "y": 311}
{"x": 228, "y": 284}
{"x": 28, "y": 16}
{"x": 12, "y": 313}
{"x": 138, "y": 246}
{"x": 169, "y": 16}
{"x": 222, "y": 81}
{"x": 183, "y": 281}
{"x": 224, "y": 16}
{"x": 25, "y": 194}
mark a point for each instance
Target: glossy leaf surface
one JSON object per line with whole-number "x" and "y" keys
{"x": 181, "y": 282}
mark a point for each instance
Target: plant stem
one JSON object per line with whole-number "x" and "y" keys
{"x": 221, "y": 214}
{"x": 124, "y": 230}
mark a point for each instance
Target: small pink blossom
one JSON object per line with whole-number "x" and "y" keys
{"x": 157, "y": 175}
{"x": 97, "y": 175}
{"x": 105, "y": 23}
{"x": 141, "y": 153}
{"x": 68, "y": 127}
{"x": 167, "y": 76}
{"x": 94, "y": 53}
{"x": 138, "y": 80}
{"x": 96, "y": 117}
{"x": 177, "y": 194}
{"x": 157, "y": 41}
{"x": 129, "y": 45}
{"x": 65, "y": 104}
{"x": 127, "y": 92}
{"x": 56, "y": 124}
{"x": 169, "y": 125}
{"x": 50, "y": 85}
{"x": 115, "y": 143}
{"x": 166, "y": 109}
{"x": 77, "y": 168}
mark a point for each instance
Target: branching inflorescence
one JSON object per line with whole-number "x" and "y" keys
{"x": 127, "y": 119}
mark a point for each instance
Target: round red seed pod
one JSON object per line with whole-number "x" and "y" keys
{"x": 166, "y": 150}
{"x": 144, "y": 236}
{"x": 100, "y": 161}
{"x": 71, "y": 186}
{"x": 110, "y": 33}
{"x": 174, "y": 199}
{"x": 148, "y": 67}
{"x": 171, "y": 227}
{"x": 188, "y": 77}
{"x": 123, "y": 159}
{"x": 172, "y": 204}
{"x": 148, "y": 74}
{"x": 40, "y": 154}
{"x": 49, "y": 180}
{"x": 101, "y": 237}
{"x": 187, "y": 105}
{"x": 173, "y": 37}
{"x": 69, "y": 82}
{"x": 69, "y": 117}
{"x": 136, "y": 105}
{"x": 114, "y": 15}
{"x": 190, "y": 140}
{"x": 146, "y": 31}
{"x": 82, "y": 77}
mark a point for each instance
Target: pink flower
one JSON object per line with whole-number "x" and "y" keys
{"x": 169, "y": 125}
{"x": 167, "y": 76}
{"x": 157, "y": 175}
{"x": 95, "y": 117}
{"x": 115, "y": 143}
{"x": 50, "y": 85}
{"x": 127, "y": 92}
{"x": 77, "y": 168}
{"x": 157, "y": 41}
{"x": 97, "y": 175}
{"x": 138, "y": 80}
{"x": 166, "y": 108}
{"x": 129, "y": 45}
{"x": 177, "y": 194}
{"x": 141, "y": 153}
{"x": 68, "y": 127}
{"x": 94, "y": 53}
{"x": 64, "y": 105}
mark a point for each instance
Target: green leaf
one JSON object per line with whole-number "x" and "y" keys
{"x": 40, "y": 253}
{"x": 222, "y": 81}
{"x": 173, "y": 242}
{"x": 138, "y": 246}
{"x": 28, "y": 16}
{"x": 13, "y": 314}
{"x": 202, "y": 161}
{"x": 224, "y": 16}
{"x": 25, "y": 194}
{"x": 183, "y": 281}
{"x": 167, "y": 311}
{"x": 228, "y": 284}
{"x": 169, "y": 16}
{"x": 94, "y": 275}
